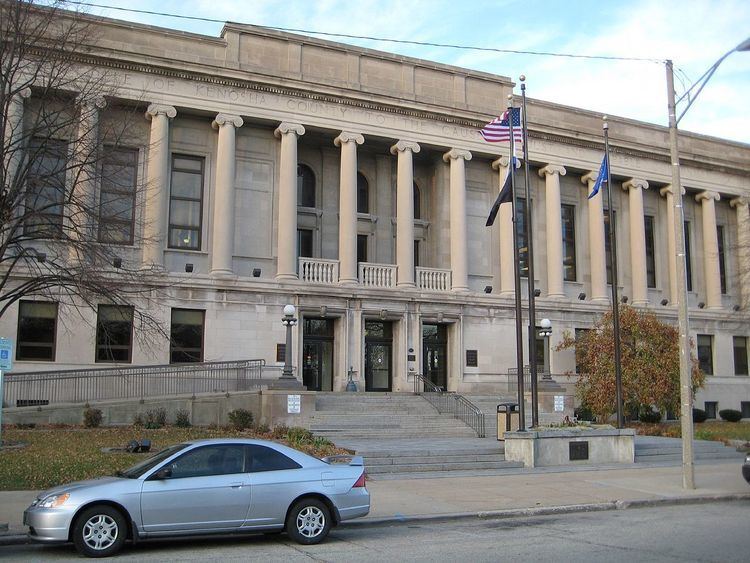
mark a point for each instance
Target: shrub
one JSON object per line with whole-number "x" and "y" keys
{"x": 155, "y": 418}
{"x": 92, "y": 418}
{"x": 730, "y": 415}
{"x": 262, "y": 429}
{"x": 583, "y": 413}
{"x": 240, "y": 418}
{"x": 699, "y": 415}
{"x": 279, "y": 431}
{"x": 138, "y": 419}
{"x": 649, "y": 416}
{"x": 182, "y": 419}
{"x": 299, "y": 436}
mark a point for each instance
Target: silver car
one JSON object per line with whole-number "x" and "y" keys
{"x": 200, "y": 487}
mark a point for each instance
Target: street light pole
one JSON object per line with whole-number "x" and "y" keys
{"x": 686, "y": 389}
{"x": 288, "y": 321}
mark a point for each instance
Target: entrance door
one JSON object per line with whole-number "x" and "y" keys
{"x": 435, "y": 353}
{"x": 378, "y": 355}
{"x": 317, "y": 354}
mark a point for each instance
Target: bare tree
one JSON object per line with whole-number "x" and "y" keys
{"x": 68, "y": 224}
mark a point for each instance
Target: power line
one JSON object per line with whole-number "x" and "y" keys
{"x": 382, "y": 39}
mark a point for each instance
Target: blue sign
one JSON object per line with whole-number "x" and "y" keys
{"x": 6, "y": 354}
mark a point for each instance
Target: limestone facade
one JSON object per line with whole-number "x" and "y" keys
{"x": 254, "y": 105}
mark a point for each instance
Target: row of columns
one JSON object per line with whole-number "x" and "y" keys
{"x": 288, "y": 133}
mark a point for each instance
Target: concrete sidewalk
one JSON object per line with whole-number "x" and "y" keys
{"x": 526, "y": 492}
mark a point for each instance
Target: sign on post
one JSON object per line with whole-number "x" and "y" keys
{"x": 293, "y": 404}
{"x": 6, "y": 364}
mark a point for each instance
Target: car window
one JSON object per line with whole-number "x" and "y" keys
{"x": 263, "y": 458}
{"x": 209, "y": 460}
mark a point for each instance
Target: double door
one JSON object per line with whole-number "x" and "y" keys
{"x": 435, "y": 353}
{"x": 378, "y": 355}
{"x": 317, "y": 354}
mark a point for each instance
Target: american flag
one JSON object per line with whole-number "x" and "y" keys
{"x": 498, "y": 130}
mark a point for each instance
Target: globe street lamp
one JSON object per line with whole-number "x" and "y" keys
{"x": 545, "y": 331}
{"x": 288, "y": 320}
{"x": 686, "y": 392}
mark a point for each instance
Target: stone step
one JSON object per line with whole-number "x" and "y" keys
{"x": 697, "y": 457}
{"x": 430, "y": 460}
{"x": 436, "y": 467}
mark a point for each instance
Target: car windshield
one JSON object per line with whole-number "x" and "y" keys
{"x": 147, "y": 464}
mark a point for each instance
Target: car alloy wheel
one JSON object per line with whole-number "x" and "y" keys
{"x": 309, "y": 521}
{"x": 99, "y": 531}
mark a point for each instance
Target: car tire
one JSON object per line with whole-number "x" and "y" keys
{"x": 100, "y": 531}
{"x": 309, "y": 521}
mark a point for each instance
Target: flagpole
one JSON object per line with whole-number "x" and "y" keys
{"x": 613, "y": 267}
{"x": 517, "y": 274}
{"x": 530, "y": 260}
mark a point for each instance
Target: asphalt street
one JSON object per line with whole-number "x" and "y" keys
{"x": 701, "y": 532}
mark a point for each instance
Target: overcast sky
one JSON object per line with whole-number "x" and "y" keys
{"x": 693, "y": 33}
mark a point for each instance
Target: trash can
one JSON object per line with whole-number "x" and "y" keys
{"x": 507, "y": 419}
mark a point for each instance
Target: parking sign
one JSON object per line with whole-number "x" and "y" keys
{"x": 6, "y": 354}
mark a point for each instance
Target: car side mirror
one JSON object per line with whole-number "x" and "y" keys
{"x": 163, "y": 473}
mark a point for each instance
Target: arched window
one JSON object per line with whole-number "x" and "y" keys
{"x": 363, "y": 194}
{"x": 417, "y": 202}
{"x": 305, "y": 186}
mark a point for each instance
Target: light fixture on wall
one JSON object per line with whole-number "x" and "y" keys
{"x": 736, "y": 308}
{"x": 581, "y": 296}
{"x": 624, "y": 299}
{"x": 256, "y": 272}
{"x": 701, "y": 305}
{"x": 41, "y": 257}
{"x": 664, "y": 302}
{"x": 188, "y": 267}
{"x": 488, "y": 289}
{"x": 537, "y": 292}
{"x": 117, "y": 262}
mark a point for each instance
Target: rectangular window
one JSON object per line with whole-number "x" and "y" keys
{"x": 706, "y": 353}
{"x": 37, "y": 329}
{"x": 740, "y": 355}
{"x": 416, "y": 254}
{"x": 362, "y": 248}
{"x": 580, "y": 334}
{"x": 472, "y": 358}
{"x": 711, "y": 407}
{"x": 304, "y": 243}
{"x": 186, "y": 202}
{"x": 569, "y": 242}
{"x": 688, "y": 259}
{"x": 45, "y": 194}
{"x": 745, "y": 409}
{"x": 722, "y": 258}
{"x": 523, "y": 248}
{"x": 186, "y": 342}
{"x": 280, "y": 353}
{"x": 608, "y": 241}
{"x": 114, "y": 334}
{"x": 117, "y": 197}
{"x": 650, "y": 251}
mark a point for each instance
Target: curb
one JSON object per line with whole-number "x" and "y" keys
{"x": 20, "y": 539}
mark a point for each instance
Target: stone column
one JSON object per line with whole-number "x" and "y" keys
{"x": 740, "y": 204}
{"x": 14, "y": 135}
{"x": 504, "y": 222}
{"x": 553, "y": 212}
{"x": 286, "y": 266}
{"x": 348, "y": 206}
{"x": 157, "y": 185}
{"x": 459, "y": 246}
{"x": 668, "y": 193}
{"x": 635, "y": 188}
{"x": 223, "y": 212}
{"x": 405, "y": 212}
{"x": 710, "y": 248}
{"x": 597, "y": 251}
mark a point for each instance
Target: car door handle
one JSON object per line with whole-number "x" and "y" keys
{"x": 236, "y": 485}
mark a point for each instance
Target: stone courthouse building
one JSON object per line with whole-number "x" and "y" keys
{"x": 353, "y": 183}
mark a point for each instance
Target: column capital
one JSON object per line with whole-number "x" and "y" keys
{"x": 288, "y": 127}
{"x": 455, "y": 154}
{"x": 348, "y": 137}
{"x": 157, "y": 109}
{"x": 227, "y": 119}
{"x": 551, "y": 169}
{"x": 669, "y": 190}
{"x": 707, "y": 195}
{"x": 99, "y": 102}
{"x": 403, "y": 145}
{"x": 634, "y": 184}
{"x": 589, "y": 177}
{"x": 739, "y": 202}
{"x": 504, "y": 161}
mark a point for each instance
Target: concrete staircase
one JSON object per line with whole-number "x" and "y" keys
{"x": 669, "y": 450}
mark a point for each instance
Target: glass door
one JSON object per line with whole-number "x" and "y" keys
{"x": 317, "y": 354}
{"x": 378, "y": 355}
{"x": 435, "y": 354}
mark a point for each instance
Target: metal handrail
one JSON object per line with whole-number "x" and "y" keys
{"x": 131, "y": 382}
{"x": 450, "y": 402}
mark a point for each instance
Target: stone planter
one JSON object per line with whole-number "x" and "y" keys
{"x": 570, "y": 446}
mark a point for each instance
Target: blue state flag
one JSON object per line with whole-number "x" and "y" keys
{"x": 601, "y": 178}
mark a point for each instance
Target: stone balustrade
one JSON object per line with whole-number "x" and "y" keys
{"x": 318, "y": 270}
{"x": 377, "y": 275}
{"x": 433, "y": 279}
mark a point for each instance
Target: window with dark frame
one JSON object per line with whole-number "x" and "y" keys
{"x": 648, "y": 222}
{"x": 117, "y": 195}
{"x": 305, "y": 186}
{"x": 362, "y": 248}
{"x": 523, "y": 248}
{"x": 706, "y": 353}
{"x": 740, "y": 355}
{"x": 304, "y": 243}
{"x": 363, "y": 194}
{"x": 569, "y": 242}
{"x": 186, "y": 202}
{"x": 711, "y": 407}
{"x": 688, "y": 258}
{"x": 722, "y": 258}
{"x": 745, "y": 409}
{"x": 417, "y": 202}
{"x": 281, "y": 353}
{"x": 114, "y": 334}
{"x": 417, "y": 262}
{"x": 608, "y": 241}
{"x": 37, "y": 331}
{"x": 472, "y": 358}
{"x": 45, "y": 187}
{"x": 186, "y": 342}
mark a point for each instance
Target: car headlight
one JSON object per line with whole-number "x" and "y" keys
{"x": 53, "y": 501}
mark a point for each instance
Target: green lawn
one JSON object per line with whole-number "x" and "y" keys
{"x": 719, "y": 431}
{"x": 60, "y": 455}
